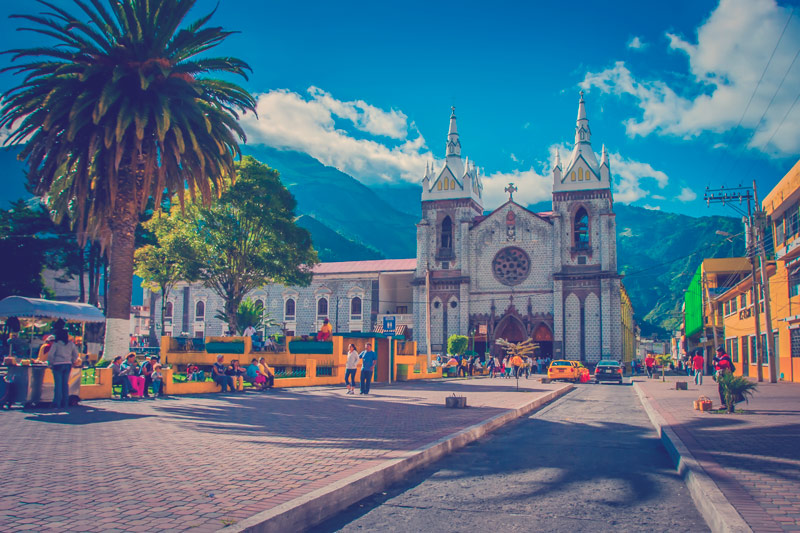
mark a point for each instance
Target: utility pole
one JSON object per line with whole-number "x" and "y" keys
{"x": 760, "y": 219}
{"x": 729, "y": 197}
{"x": 428, "y": 314}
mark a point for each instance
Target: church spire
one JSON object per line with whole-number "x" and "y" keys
{"x": 453, "y": 144}
{"x": 582, "y": 131}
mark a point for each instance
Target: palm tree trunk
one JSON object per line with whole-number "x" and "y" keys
{"x": 120, "y": 278}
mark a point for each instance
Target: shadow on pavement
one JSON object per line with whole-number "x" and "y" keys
{"x": 82, "y": 415}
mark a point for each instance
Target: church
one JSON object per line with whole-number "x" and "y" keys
{"x": 510, "y": 273}
{"x": 513, "y": 273}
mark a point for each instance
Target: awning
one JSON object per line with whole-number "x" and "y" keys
{"x": 400, "y": 329}
{"x": 22, "y": 307}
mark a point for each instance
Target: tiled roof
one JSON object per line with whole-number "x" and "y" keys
{"x": 381, "y": 265}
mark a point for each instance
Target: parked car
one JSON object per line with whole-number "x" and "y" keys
{"x": 608, "y": 371}
{"x": 566, "y": 370}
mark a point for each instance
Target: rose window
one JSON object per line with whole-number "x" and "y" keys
{"x": 511, "y": 266}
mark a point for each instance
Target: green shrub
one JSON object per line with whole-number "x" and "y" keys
{"x": 735, "y": 388}
{"x": 457, "y": 344}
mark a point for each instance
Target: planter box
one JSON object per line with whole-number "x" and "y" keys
{"x": 325, "y": 347}
{"x": 225, "y": 347}
{"x": 682, "y": 385}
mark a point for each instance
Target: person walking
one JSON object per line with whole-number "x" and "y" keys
{"x": 649, "y": 363}
{"x": 724, "y": 365}
{"x": 368, "y": 361}
{"x": 698, "y": 362}
{"x": 516, "y": 363}
{"x": 62, "y": 357}
{"x": 350, "y": 369}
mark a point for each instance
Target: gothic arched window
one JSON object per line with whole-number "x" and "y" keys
{"x": 322, "y": 307}
{"x": 447, "y": 233}
{"x": 200, "y": 310}
{"x": 288, "y": 312}
{"x": 355, "y": 308}
{"x": 581, "y": 229}
{"x": 168, "y": 310}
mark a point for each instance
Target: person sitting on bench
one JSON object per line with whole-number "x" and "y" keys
{"x": 325, "y": 331}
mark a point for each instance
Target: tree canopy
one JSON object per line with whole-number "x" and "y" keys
{"x": 247, "y": 238}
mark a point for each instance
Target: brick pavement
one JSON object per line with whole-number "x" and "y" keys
{"x": 753, "y": 457}
{"x": 204, "y": 462}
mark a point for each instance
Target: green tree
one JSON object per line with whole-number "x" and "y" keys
{"x": 457, "y": 344}
{"x": 168, "y": 261}
{"x": 121, "y": 109}
{"x": 248, "y": 238}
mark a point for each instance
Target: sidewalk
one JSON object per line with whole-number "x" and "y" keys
{"x": 206, "y": 462}
{"x": 754, "y": 457}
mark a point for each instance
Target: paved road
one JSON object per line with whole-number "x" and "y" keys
{"x": 590, "y": 461}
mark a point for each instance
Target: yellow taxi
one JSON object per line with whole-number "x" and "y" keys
{"x": 566, "y": 370}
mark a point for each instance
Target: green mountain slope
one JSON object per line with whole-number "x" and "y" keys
{"x": 342, "y": 203}
{"x": 333, "y": 247}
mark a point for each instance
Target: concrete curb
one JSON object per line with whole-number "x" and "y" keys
{"x": 714, "y": 507}
{"x": 317, "y": 506}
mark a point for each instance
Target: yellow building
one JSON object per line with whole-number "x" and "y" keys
{"x": 628, "y": 329}
{"x": 782, "y": 208}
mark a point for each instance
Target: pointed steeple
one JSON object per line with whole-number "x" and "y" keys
{"x": 582, "y": 131}
{"x": 453, "y": 144}
{"x": 557, "y": 163}
{"x": 604, "y": 157}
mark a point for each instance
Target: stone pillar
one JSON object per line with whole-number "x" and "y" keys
{"x": 558, "y": 320}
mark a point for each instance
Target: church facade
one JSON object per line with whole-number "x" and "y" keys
{"x": 510, "y": 274}
{"x": 513, "y": 273}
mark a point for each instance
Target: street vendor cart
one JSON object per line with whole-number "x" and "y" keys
{"x": 25, "y": 381}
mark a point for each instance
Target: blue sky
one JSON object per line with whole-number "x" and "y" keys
{"x": 367, "y": 87}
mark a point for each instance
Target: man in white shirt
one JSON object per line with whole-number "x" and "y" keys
{"x": 249, "y": 331}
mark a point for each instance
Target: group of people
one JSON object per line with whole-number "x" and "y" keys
{"x": 136, "y": 378}
{"x": 516, "y": 365}
{"x": 259, "y": 342}
{"x": 233, "y": 376}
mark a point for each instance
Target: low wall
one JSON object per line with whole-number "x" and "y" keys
{"x": 101, "y": 387}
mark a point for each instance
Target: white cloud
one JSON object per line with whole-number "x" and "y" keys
{"x": 533, "y": 187}
{"x": 514, "y": 158}
{"x": 687, "y": 195}
{"x": 652, "y": 207}
{"x": 292, "y": 121}
{"x": 526, "y": 125}
{"x": 731, "y": 50}
{"x": 636, "y": 43}
{"x": 657, "y": 197}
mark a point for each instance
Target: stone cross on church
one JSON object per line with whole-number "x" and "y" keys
{"x": 511, "y": 190}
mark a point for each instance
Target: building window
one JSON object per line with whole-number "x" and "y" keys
{"x": 168, "y": 310}
{"x": 322, "y": 307}
{"x": 733, "y": 305}
{"x": 355, "y": 308}
{"x": 581, "y": 229}
{"x": 732, "y": 347}
{"x": 288, "y": 310}
{"x": 743, "y": 300}
{"x": 580, "y": 170}
{"x": 200, "y": 310}
{"x": 439, "y": 185}
{"x": 765, "y": 360}
{"x": 753, "y": 352}
{"x": 794, "y": 340}
{"x": 794, "y": 283}
{"x": 573, "y": 176}
{"x": 792, "y": 221}
{"x": 401, "y": 309}
{"x": 447, "y": 233}
{"x": 779, "y": 232}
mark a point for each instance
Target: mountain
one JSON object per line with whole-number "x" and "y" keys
{"x": 342, "y": 203}
{"x": 333, "y": 247}
{"x": 12, "y": 177}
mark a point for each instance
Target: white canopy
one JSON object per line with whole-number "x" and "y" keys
{"x": 22, "y": 307}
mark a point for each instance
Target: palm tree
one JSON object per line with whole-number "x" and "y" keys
{"x": 120, "y": 110}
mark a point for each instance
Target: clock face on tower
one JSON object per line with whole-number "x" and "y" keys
{"x": 511, "y": 266}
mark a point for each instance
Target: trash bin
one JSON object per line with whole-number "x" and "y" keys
{"x": 27, "y": 381}
{"x": 402, "y": 372}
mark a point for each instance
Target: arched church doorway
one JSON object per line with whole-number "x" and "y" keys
{"x": 544, "y": 340}
{"x": 510, "y": 329}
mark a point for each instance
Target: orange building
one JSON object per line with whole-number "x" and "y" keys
{"x": 782, "y": 209}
